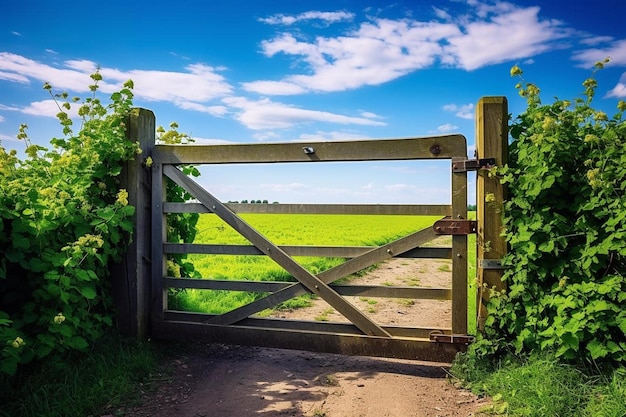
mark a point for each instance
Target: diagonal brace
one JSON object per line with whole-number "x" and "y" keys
{"x": 351, "y": 266}
{"x": 310, "y": 281}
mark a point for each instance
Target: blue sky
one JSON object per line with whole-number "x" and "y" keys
{"x": 282, "y": 71}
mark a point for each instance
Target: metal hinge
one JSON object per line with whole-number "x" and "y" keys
{"x": 465, "y": 165}
{"x": 455, "y": 227}
{"x": 460, "y": 339}
{"x": 490, "y": 264}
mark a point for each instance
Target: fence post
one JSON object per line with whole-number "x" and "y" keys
{"x": 130, "y": 279}
{"x": 491, "y": 142}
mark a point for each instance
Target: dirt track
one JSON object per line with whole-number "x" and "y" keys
{"x": 233, "y": 381}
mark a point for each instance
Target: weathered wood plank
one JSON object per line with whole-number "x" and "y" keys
{"x": 159, "y": 235}
{"x": 130, "y": 278}
{"x": 459, "y": 255}
{"x": 366, "y": 209}
{"x": 436, "y": 147}
{"x": 345, "y": 290}
{"x": 345, "y": 344}
{"x": 491, "y": 142}
{"x": 309, "y": 325}
{"x": 317, "y": 251}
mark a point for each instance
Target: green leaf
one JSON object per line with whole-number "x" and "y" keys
{"x": 66, "y": 330}
{"x": 79, "y": 343}
{"x": 547, "y": 246}
{"x": 597, "y": 349}
{"x": 88, "y": 292}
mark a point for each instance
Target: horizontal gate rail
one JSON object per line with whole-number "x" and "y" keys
{"x": 346, "y": 344}
{"x": 317, "y": 251}
{"x": 369, "y": 209}
{"x": 426, "y": 293}
{"x": 441, "y": 147}
{"x": 312, "y": 326}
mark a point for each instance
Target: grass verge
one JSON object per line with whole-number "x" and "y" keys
{"x": 90, "y": 384}
{"x": 540, "y": 385}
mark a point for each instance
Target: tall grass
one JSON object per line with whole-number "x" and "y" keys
{"x": 540, "y": 385}
{"x": 93, "y": 383}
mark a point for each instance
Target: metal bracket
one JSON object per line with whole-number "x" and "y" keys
{"x": 457, "y": 339}
{"x": 473, "y": 164}
{"x": 455, "y": 227}
{"x": 490, "y": 264}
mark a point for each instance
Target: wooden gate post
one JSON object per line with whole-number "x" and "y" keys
{"x": 130, "y": 279}
{"x": 491, "y": 142}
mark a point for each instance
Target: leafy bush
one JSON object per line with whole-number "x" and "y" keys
{"x": 181, "y": 227}
{"x": 63, "y": 218}
{"x": 565, "y": 222}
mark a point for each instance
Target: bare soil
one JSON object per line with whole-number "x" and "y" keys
{"x": 211, "y": 380}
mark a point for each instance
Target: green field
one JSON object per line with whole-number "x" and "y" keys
{"x": 289, "y": 229}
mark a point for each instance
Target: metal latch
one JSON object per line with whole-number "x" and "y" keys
{"x": 455, "y": 227}
{"x": 460, "y": 339}
{"x": 465, "y": 165}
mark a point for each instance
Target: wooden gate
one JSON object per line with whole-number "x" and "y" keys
{"x": 362, "y": 335}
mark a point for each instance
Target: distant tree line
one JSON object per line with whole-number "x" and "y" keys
{"x": 253, "y": 202}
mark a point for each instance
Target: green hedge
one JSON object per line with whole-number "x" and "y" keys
{"x": 63, "y": 218}
{"x": 565, "y": 222}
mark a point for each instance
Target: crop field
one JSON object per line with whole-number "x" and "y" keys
{"x": 284, "y": 229}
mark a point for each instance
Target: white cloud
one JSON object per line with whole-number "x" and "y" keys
{"x": 503, "y": 33}
{"x": 320, "y": 136}
{"x": 191, "y": 89}
{"x": 294, "y": 186}
{"x": 325, "y": 17}
{"x": 594, "y": 40}
{"x": 15, "y": 33}
{"x": 49, "y": 108}
{"x": 619, "y": 91}
{"x": 217, "y": 111}
{"x": 615, "y": 50}
{"x": 18, "y": 78}
{"x": 208, "y": 141}
{"x": 11, "y": 108}
{"x": 381, "y": 50}
{"x": 51, "y": 51}
{"x": 7, "y": 138}
{"x": 266, "y": 135}
{"x": 465, "y": 111}
{"x": 448, "y": 127}
{"x": 266, "y": 114}
{"x": 200, "y": 84}
{"x": 1, "y": 119}
{"x": 398, "y": 188}
{"x": 275, "y": 88}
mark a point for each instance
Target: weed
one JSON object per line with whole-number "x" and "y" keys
{"x": 444, "y": 268}
{"x": 323, "y": 316}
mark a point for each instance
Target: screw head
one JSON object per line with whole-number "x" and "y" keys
{"x": 435, "y": 149}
